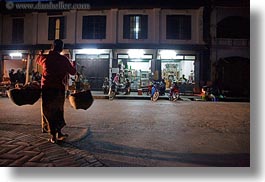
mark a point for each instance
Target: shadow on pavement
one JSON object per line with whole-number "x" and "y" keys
{"x": 198, "y": 159}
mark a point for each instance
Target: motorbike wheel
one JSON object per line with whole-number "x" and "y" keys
{"x": 155, "y": 96}
{"x": 175, "y": 97}
{"x": 111, "y": 95}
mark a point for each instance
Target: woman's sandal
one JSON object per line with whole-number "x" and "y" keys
{"x": 52, "y": 140}
{"x": 62, "y": 136}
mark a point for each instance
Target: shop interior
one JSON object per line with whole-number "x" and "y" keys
{"x": 15, "y": 61}
{"x": 174, "y": 68}
{"x": 181, "y": 71}
{"x": 138, "y": 71}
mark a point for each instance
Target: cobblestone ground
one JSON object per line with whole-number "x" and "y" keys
{"x": 20, "y": 150}
{"x": 145, "y": 133}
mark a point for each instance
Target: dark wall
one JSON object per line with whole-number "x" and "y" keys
{"x": 95, "y": 71}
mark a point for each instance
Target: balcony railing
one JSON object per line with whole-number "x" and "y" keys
{"x": 231, "y": 42}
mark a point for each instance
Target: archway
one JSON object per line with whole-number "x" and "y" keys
{"x": 233, "y": 76}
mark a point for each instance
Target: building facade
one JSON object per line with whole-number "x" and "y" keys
{"x": 230, "y": 49}
{"x": 142, "y": 44}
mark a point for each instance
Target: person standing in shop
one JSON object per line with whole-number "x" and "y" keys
{"x": 56, "y": 68}
{"x": 183, "y": 79}
{"x": 127, "y": 87}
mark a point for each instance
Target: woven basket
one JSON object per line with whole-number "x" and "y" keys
{"x": 81, "y": 100}
{"x": 24, "y": 96}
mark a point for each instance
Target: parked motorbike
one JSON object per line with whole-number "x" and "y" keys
{"x": 160, "y": 87}
{"x": 116, "y": 89}
{"x": 155, "y": 92}
{"x": 174, "y": 92}
{"x": 112, "y": 91}
{"x": 211, "y": 93}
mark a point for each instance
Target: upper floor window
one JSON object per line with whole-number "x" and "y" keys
{"x": 135, "y": 26}
{"x": 178, "y": 27}
{"x": 56, "y": 28}
{"x": 18, "y": 30}
{"x": 94, "y": 27}
{"x": 234, "y": 27}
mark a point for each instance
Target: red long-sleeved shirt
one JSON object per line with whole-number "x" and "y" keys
{"x": 55, "y": 69}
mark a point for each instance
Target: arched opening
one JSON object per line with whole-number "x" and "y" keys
{"x": 233, "y": 76}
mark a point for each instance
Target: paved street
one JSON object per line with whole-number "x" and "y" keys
{"x": 136, "y": 133}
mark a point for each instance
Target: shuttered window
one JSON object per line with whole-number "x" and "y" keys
{"x": 94, "y": 27}
{"x": 178, "y": 27}
{"x": 18, "y": 30}
{"x": 135, "y": 27}
{"x": 57, "y": 28}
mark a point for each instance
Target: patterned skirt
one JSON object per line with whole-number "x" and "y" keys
{"x": 53, "y": 110}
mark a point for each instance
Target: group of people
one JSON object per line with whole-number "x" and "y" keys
{"x": 18, "y": 77}
{"x": 35, "y": 76}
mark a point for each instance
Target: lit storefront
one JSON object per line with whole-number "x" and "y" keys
{"x": 135, "y": 65}
{"x": 16, "y": 61}
{"x": 14, "y": 64}
{"x": 140, "y": 67}
{"x": 177, "y": 67}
